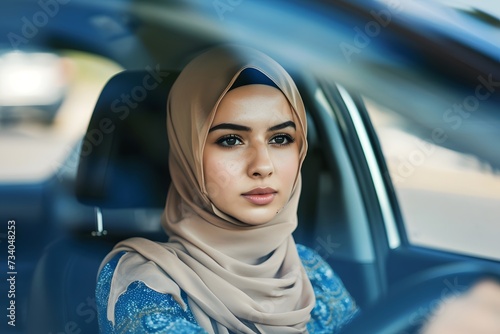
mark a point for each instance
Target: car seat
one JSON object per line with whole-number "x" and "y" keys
{"x": 123, "y": 175}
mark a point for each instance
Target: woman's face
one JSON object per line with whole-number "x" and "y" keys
{"x": 251, "y": 156}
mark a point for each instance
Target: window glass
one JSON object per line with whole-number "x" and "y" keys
{"x": 46, "y": 100}
{"x": 449, "y": 200}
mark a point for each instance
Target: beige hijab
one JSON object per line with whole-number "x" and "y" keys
{"x": 239, "y": 278}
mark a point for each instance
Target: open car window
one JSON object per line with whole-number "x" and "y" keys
{"x": 448, "y": 200}
{"x": 46, "y": 102}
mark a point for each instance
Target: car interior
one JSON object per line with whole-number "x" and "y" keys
{"x": 348, "y": 213}
{"x": 122, "y": 183}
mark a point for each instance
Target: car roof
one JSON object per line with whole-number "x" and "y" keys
{"x": 418, "y": 58}
{"x": 193, "y": 25}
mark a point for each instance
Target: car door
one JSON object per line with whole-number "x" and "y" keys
{"x": 419, "y": 140}
{"x": 428, "y": 204}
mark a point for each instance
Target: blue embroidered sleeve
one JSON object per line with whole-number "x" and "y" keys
{"x": 141, "y": 309}
{"x": 334, "y": 305}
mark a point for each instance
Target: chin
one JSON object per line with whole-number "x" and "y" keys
{"x": 258, "y": 218}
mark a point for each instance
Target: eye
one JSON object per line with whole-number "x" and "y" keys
{"x": 229, "y": 141}
{"x": 282, "y": 139}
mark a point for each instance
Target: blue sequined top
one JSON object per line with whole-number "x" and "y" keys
{"x": 143, "y": 310}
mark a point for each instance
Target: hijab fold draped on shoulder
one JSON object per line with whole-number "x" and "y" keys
{"x": 239, "y": 278}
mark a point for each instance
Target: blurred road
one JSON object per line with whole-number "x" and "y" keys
{"x": 449, "y": 200}
{"x": 32, "y": 151}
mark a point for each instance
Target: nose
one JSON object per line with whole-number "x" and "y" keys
{"x": 260, "y": 162}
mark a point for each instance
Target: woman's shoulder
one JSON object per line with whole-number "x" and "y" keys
{"x": 317, "y": 268}
{"x": 141, "y": 309}
{"x": 334, "y": 305}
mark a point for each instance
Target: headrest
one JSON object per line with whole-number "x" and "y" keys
{"x": 124, "y": 154}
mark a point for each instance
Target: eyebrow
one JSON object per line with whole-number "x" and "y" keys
{"x": 282, "y": 126}
{"x": 236, "y": 127}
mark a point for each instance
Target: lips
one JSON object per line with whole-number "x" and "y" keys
{"x": 260, "y": 196}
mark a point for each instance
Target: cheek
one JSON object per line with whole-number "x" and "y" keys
{"x": 288, "y": 167}
{"x": 220, "y": 172}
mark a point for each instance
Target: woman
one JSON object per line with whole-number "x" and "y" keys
{"x": 237, "y": 134}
